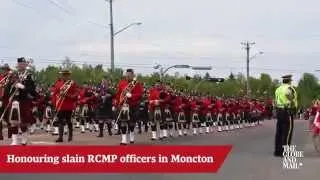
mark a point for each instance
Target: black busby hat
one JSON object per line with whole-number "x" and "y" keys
{"x": 130, "y": 70}
{"x": 5, "y": 67}
{"x": 21, "y": 60}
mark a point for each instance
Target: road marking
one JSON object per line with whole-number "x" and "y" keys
{"x": 43, "y": 142}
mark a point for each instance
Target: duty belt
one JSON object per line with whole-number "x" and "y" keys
{"x": 282, "y": 106}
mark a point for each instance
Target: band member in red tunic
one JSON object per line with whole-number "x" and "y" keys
{"x": 22, "y": 93}
{"x": 195, "y": 105}
{"x": 128, "y": 96}
{"x": 179, "y": 108}
{"x": 4, "y": 77}
{"x": 156, "y": 111}
{"x": 221, "y": 112}
{"x": 87, "y": 98}
{"x": 206, "y": 112}
{"x": 64, "y": 98}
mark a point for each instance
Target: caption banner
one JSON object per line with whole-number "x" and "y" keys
{"x": 112, "y": 159}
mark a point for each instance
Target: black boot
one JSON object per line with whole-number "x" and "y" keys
{"x": 119, "y": 132}
{"x": 109, "y": 126}
{"x": 100, "y": 130}
{"x": 1, "y": 129}
{"x": 139, "y": 127}
{"x": 60, "y": 138}
{"x": 70, "y": 127}
{"x": 146, "y": 127}
{"x": 9, "y": 131}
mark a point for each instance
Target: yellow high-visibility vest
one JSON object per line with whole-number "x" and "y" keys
{"x": 282, "y": 95}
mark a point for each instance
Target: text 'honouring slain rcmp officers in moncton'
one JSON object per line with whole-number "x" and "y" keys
{"x": 110, "y": 158}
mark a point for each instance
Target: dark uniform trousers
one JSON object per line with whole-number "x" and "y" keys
{"x": 64, "y": 117}
{"x": 284, "y": 130}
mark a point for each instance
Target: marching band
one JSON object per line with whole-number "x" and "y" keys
{"x": 168, "y": 113}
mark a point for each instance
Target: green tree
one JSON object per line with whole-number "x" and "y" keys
{"x": 308, "y": 89}
{"x": 207, "y": 75}
{"x": 231, "y": 76}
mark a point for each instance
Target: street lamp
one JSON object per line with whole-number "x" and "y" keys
{"x": 255, "y": 55}
{"x": 163, "y": 71}
{"x": 203, "y": 68}
{"x": 113, "y": 34}
{"x": 210, "y": 79}
{"x": 126, "y": 27}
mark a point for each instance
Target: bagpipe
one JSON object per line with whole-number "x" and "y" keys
{"x": 16, "y": 80}
{"x": 124, "y": 113}
{"x": 3, "y": 84}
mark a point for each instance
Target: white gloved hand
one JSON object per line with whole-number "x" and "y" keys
{"x": 19, "y": 86}
{"x": 129, "y": 95}
{"x": 113, "y": 108}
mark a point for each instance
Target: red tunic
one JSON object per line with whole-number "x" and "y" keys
{"x": 136, "y": 92}
{"x": 68, "y": 103}
{"x": 314, "y": 110}
{"x": 206, "y": 106}
{"x": 153, "y": 95}
{"x": 194, "y": 106}
{"x": 316, "y": 122}
{"x": 177, "y": 104}
{"x": 86, "y": 96}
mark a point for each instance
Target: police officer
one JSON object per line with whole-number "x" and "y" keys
{"x": 286, "y": 103}
{"x": 64, "y": 98}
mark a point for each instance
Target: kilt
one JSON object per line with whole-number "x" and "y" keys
{"x": 103, "y": 112}
{"x": 26, "y": 112}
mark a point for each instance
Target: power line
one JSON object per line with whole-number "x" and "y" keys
{"x": 35, "y": 10}
{"x": 54, "y": 17}
{"x": 95, "y": 61}
{"x": 59, "y": 6}
{"x": 71, "y": 13}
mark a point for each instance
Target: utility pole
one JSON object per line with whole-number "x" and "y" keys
{"x": 247, "y": 46}
{"x": 111, "y": 35}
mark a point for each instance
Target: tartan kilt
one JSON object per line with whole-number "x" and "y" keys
{"x": 26, "y": 112}
{"x": 103, "y": 113}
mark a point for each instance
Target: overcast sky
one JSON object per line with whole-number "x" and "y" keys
{"x": 195, "y": 32}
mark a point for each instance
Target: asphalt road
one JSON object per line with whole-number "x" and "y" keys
{"x": 250, "y": 159}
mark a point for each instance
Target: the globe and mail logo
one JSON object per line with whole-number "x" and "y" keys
{"x": 292, "y": 159}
